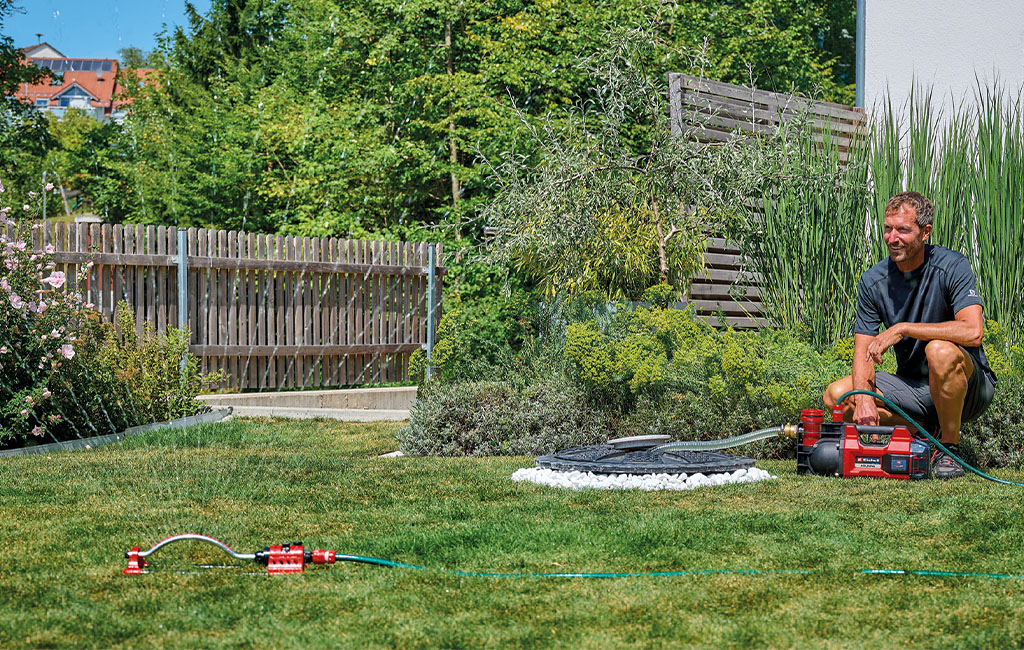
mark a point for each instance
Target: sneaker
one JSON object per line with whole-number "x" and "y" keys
{"x": 944, "y": 467}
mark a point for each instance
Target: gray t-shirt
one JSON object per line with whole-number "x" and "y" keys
{"x": 932, "y": 293}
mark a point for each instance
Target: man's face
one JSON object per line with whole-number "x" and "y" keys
{"x": 905, "y": 239}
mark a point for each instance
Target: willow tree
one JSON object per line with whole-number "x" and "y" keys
{"x": 613, "y": 201}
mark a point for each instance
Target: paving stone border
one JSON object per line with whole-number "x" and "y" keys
{"x": 215, "y": 415}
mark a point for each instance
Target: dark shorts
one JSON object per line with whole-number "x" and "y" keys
{"x": 914, "y": 396}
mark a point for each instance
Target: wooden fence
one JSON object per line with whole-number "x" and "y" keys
{"x": 269, "y": 311}
{"x": 716, "y": 111}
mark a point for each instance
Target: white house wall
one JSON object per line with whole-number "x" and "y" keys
{"x": 941, "y": 44}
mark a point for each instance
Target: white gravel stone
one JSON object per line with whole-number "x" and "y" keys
{"x": 577, "y": 480}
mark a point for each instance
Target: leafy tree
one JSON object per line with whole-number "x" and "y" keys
{"x": 615, "y": 203}
{"x": 134, "y": 58}
{"x": 352, "y": 117}
{"x": 23, "y": 136}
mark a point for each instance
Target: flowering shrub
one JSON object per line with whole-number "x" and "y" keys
{"x": 38, "y": 328}
{"x": 64, "y": 373}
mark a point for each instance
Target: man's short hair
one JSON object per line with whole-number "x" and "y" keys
{"x": 922, "y": 206}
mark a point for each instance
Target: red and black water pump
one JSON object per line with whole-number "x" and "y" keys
{"x": 838, "y": 448}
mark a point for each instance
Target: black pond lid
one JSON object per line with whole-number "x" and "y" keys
{"x": 609, "y": 459}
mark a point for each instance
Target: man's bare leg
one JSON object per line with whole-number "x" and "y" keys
{"x": 839, "y": 387}
{"x": 949, "y": 370}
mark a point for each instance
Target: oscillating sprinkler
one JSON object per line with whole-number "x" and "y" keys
{"x": 280, "y": 558}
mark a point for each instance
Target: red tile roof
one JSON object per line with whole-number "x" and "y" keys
{"x": 102, "y": 86}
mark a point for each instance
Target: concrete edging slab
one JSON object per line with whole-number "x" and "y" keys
{"x": 298, "y": 413}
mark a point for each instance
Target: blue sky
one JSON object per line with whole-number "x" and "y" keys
{"x": 96, "y": 29}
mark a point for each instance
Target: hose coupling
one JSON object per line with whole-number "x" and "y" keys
{"x": 788, "y": 431}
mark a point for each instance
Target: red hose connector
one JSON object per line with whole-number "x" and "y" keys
{"x": 320, "y": 556}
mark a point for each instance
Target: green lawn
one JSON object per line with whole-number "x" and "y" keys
{"x": 66, "y": 520}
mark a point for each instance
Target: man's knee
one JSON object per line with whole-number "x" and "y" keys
{"x": 943, "y": 356}
{"x": 835, "y": 390}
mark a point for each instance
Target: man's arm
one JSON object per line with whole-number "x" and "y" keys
{"x": 967, "y": 330}
{"x": 863, "y": 375}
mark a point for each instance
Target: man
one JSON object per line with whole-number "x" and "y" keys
{"x": 926, "y": 298}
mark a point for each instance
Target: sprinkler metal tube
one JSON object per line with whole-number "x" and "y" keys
{"x": 202, "y": 538}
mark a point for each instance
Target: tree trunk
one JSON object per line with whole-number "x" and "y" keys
{"x": 453, "y": 149}
{"x": 662, "y": 246}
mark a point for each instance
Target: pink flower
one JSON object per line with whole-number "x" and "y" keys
{"x": 3, "y": 349}
{"x": 16, "y": 301}
{"x": 29, "y": 400}
{"x": 49, "y": 186}
{"x": 24, "y": 411}
{"x": 37, "y": 431}
{"x": 56, "y": 279}
{"x": 31, "y": 195}
{"x": 42, "y": 306}
{"x": 46, "y": 392}
{"x": 26, "y": 207}
{"x": 50, "y": 249}
{"x": 67, "y": 351}
{"x": 5, "y": 285}
{"x": 55, "y": 334}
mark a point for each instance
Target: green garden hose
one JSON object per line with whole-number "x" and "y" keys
{"x": 362, "y": 559}
{"x": 938, "y": 444}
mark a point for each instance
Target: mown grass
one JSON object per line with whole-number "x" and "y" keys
{"x": 66, "y": 520}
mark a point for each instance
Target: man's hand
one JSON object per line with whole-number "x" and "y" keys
{"x": 865, "y": 412}
{"x": 881, "y": 343}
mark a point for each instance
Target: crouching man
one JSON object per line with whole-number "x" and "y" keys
{"x": 926, "y": 299}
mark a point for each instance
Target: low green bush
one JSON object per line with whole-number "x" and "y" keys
{"x": 996, "y": 439}
{"x": 472, "y": 337}
{"x": 652, "y": 370}
{"x": 500, "y": 418}
{"x": 116, "y": 381}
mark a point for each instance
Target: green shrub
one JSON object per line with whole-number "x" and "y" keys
{"x": 114, "y": 381}
{"x": 996, "y": 439}
{"x": 473, "y": 336}
{"x": 499, "y": 418}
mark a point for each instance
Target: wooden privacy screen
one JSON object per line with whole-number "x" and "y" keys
{"x": 716, "y": 111}
{"x": 269, "y": 311}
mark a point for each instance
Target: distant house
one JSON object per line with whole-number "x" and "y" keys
{"x": 90, "y": 85}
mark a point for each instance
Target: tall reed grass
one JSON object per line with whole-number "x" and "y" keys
{"x": 820, "y": 217}
{"x": 970, "y": 162}
{"x": 806, "y": 239}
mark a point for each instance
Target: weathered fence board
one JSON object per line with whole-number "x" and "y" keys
{"x": 269, "y": 311}
{"x": 716, "y": 111}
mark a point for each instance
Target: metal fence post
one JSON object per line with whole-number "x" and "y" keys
{"x": 183, "y": 289}
{"x": 431, "y": 306}
{"x": 44, "y": 194}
